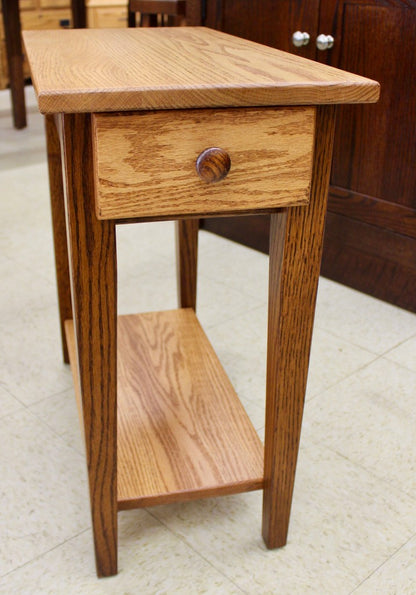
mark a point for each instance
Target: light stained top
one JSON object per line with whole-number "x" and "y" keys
{"x": 99, "y": 70}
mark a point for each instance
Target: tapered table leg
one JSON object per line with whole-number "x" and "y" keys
{"x": 187, "y": 261}
{"x": 296, "y": 236}
{"x": 92, "y": 252}
{"x": 59, "y": 227}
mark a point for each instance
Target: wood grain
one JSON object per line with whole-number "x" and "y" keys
{"x": 73, "y": 360}
{"x": 169, "y": 7}
{"x": 212, "y": 165}
{"x": 145, "y": 162}
{"x": 267, "y": 21}
{"x": 380, "y": 213}
{"x": 295, "y": 257}
{"x": 187, "y": 261}
{"x": 11, "y": 17}
{"x": 182, "y": 432}
{"x": 176, "y": 67}
{"x": 56, "y": 189}
{"x": 368, "y": 247}
{"x": 93, "y": 280}
{"x": 373, "y": 260}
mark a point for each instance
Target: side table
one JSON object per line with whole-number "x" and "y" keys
{"x": 180, "y": 123}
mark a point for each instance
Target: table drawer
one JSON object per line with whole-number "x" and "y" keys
{"x": 146, "y": 161}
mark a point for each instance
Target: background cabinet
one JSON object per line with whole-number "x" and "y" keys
{"x": 34, "y": 14}
{"x": 370, "y": 241}
{"x": 56, "y": 14}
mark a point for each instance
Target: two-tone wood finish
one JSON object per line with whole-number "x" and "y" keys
{"x": 370, "y": 239}
{"x": 180, "y": 431}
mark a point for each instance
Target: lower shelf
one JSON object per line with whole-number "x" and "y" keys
{"x": 182, "y": 431}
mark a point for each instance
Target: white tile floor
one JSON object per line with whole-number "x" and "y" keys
{"x": 353, "y": 527}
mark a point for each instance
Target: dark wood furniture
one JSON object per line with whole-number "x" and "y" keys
{"x": 12, "y": 31}
{"x": 370, "y": 239}
{"x": 11, "y": 20}
{"x": 157, "y": 12}
{"x": 161, "y": 421}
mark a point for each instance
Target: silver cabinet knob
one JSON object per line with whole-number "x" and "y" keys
{"x": 324, "y": 42}
{"x": 299, "y": 39}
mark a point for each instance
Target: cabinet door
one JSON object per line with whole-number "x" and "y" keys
{"x": 266, "y": 21}
{"x": 371, "y": 229}
{"x": 271, "y": 22}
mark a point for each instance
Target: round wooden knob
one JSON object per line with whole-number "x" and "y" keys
{"x": 213, "y": 165}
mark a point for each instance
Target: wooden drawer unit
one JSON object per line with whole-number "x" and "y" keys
{"x": 54, "y": 4}
{"x": 270, "y": 152}
{"x": 30, "y": 4}
{"x": 34, "y": 14}
{"x": 56, "y": 14}
{"x": 103, "y": 14}
{"x": 4, "y": 73}
{"x": 46, "y": 19}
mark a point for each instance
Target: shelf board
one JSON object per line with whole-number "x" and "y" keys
{"x": 182, "y": 431}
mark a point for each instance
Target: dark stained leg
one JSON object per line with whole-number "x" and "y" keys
{"x": 296, "y": 236}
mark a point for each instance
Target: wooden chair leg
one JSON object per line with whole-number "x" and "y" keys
{"x": 187, "y": 261}
{"x": 59, "y": 228}
{"x": 11, "y": 17}
{"x": 131, "y": 18}
{"x": 148, "y": 20}
{"x": 92, "y": 250}
{"x": 79, "y": 14}
{"x": 296, "y": 236}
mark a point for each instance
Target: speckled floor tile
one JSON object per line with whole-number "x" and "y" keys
{"x": 151, "y": 560}
{"x": 333, "y": 359}
{"x": 60, "y": 413}
{"x": 30, "y": 352}
{"x": 241, "y": 345}
{"x": 43, "y": 490}
{"x": 370, "y": 418}
{"x": 19, "y": 148}
{"x": 361, "y": 319}
{"x": 140, "y": 245}
{"x": 404, "y": 354}
{"x": 395, "y": 577}
{"x": 155, "y": 289}
{"x": 26, "y": 236}
{"x": 344, "y": 523}
{"x": 8, "y": 404}
{"x": 23, "y": 292}
{"x": 152, "y": 288}
{"x": 242, "y": 268}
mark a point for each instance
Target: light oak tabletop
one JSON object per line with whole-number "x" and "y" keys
{"x": 99, "y": 70}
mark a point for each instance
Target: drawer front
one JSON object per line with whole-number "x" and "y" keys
{"x": 146, "y": 161}
{"x": 107, "y": 17}
{"x": 27, "y": 4}
{"x": 4, "y": 70}
{"x": 46, "y": 19}
{"x": 55, "y": 3}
